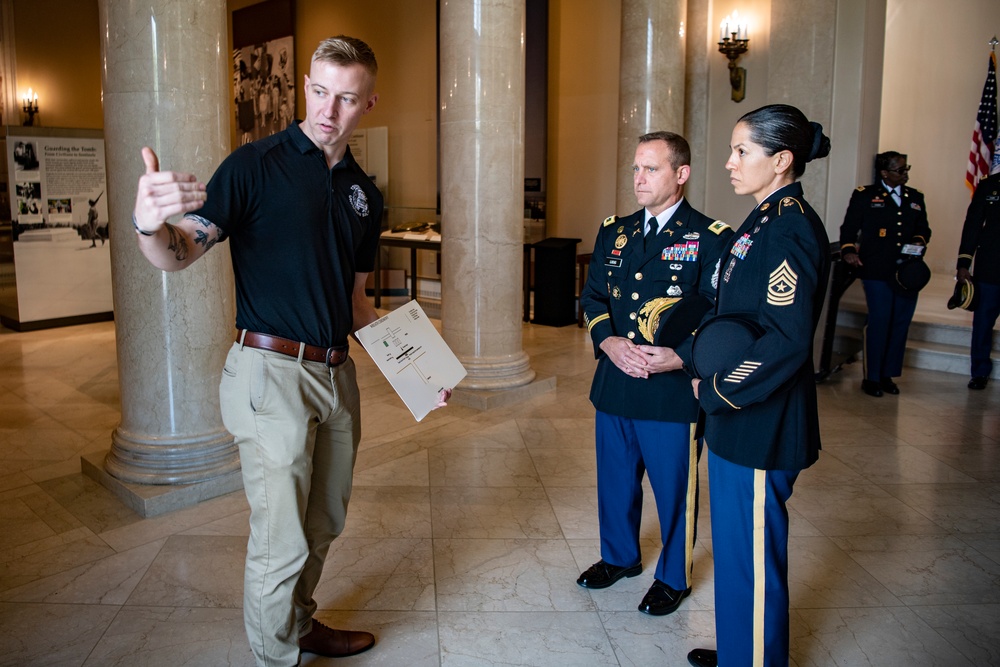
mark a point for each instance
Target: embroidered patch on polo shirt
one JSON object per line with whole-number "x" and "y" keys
{"x": 781, "y": 285}
{"x": 358, "y": 200}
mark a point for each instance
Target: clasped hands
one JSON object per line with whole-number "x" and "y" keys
{"x": 640, "y": 361}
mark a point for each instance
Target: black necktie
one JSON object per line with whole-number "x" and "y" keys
{"x": 651, "y": 228}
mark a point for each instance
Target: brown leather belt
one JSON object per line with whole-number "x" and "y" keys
{"x": 331, "y": 356}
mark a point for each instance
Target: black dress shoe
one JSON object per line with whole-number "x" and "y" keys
{"x": 871, "y": 387}
{"x": 978, "y": 382}
{"x": 888, "y": 386}
{"x": 703, "y": 657}
{"x": 661, "y": 599}
{"x": 602, "y": 575}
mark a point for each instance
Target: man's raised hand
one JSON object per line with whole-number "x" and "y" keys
{"x": 162, "y": 194}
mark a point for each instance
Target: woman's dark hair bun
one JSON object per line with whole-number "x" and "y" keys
{"x": 820, "y": 144}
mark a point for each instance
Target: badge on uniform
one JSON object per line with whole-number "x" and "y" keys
{"x": 729, "y": 270}
{"x": 742, "y": 372}
{"x": 621, "y": 241}
{"x": 881, "y": 233}
{"x": 878, "y": 202}
{"x": 995, "y": 197}
{"x": 674, "y": 290}
{"x": 781, "y": 285}
{"x": 692, "y": 236}
{"x": 681, "y": 252}
{"x": 915, "y": 206}
{"x": 742, "y": 247}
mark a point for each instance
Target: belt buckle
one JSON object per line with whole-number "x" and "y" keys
{"x": 330, "y": 352}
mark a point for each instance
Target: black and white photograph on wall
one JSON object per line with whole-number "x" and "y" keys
{"x": 264, "y": 88}
{"x": 263, "y": 69}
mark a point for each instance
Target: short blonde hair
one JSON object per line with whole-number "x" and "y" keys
{"x": 344, "y": 50}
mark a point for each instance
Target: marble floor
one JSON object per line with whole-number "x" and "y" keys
{"x": 467, "y": 531}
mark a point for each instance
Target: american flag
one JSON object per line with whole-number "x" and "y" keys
{"x": 984, "y": 135}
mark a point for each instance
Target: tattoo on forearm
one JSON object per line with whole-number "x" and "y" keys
{"x": 177, "y": 243}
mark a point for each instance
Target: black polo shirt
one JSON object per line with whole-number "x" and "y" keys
{"x": 298, "y": 233}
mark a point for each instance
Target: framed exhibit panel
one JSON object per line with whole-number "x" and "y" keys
{"x": 55, "y": 250}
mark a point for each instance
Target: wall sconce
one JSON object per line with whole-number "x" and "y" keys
{"x": 734, "y": 40}
{"x": 29, "y": 105}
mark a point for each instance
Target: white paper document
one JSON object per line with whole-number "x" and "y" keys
{"x": 413, "y": 357}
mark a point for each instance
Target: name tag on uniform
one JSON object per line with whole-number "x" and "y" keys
{"x": 993, "y": 197}
{"x": 613, "y": 261}
{"x": 878, "y": 202}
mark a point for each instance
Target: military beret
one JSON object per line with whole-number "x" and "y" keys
{"x": 721, "y": 343}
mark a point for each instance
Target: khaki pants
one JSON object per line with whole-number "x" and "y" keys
{"x": 297, "y": 425}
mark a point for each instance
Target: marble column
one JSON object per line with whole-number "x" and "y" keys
{"x": 165, "y": 86}
{"x": 651, "y": 88}
{"x": 800, "y": 27}
{"x": 482, "y": 189}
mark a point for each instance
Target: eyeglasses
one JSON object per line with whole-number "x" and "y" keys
{"x": 901, "y": 170}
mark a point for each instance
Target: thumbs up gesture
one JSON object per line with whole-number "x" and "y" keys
{"x": 162, "y": 194}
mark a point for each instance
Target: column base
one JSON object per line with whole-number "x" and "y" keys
{"x": 481, "y": 399}
{"x": 139, "y": 458}
{"x": 152, "y": 500}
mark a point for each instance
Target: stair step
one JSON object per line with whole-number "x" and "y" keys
{"x": 930, "y": 332}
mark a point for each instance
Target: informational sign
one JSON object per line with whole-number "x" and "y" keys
{"x": 413, "y": 357}
{"x": 59, "y": 225}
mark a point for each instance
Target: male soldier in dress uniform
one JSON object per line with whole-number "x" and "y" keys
{"x": 883, "y": 224}
{"x": 641, "y": 265}
{"x": 981, "y": 239}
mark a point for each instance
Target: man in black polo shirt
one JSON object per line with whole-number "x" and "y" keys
{"x": 303, "y": 221}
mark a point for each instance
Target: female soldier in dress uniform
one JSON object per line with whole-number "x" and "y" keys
{"x": 762, "y": 426}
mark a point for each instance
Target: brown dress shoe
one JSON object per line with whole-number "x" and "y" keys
{"x": 323, "y": 640}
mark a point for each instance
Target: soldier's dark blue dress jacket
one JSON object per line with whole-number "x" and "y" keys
{"x": 627, "y": 285}
{"x": 981, "y": 232}
{"x": 881, "y": 228}
{"x": 761, "y": 413}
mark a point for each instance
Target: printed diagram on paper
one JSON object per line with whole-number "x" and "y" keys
{"x": 405, "y": 356}
{"x": 413, "y": 357}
